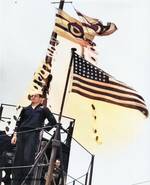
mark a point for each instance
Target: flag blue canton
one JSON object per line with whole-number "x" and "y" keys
{"x": 87, "y": 70}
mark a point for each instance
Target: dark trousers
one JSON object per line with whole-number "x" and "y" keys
{"x": 27, "y": 145}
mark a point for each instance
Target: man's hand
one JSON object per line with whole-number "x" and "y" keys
{"x": 14, "y": 139}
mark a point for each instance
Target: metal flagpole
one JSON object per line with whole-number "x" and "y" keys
{"x": 66, "y": 85}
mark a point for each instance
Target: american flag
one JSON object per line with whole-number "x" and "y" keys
{"x": 92, "y": 82}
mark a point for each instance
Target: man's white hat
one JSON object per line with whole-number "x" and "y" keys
{"x": 34, "y": 92}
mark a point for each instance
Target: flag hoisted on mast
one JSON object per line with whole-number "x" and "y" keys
{"x": 94, "y": 27}
{"x": 70, "y": 28}
{"x": 80, "y": 32}
{"x": 92, "y": 82}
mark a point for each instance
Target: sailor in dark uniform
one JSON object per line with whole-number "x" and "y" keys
{"x": 27, "y": 141}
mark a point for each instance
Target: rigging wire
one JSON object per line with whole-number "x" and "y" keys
{"x": 32, "y": 130}
{"x": 75, "y": 179}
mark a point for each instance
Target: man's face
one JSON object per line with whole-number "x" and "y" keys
{"x": 36, "y": 99}
{"x": 57, "y": 163}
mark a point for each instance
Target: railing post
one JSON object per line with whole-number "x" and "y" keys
{"x": 91, "y": 171}
{"x": 55, "y": 145}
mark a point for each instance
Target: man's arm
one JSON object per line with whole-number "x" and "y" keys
{"x": 51, "y": 119}
{"x": 14, "y": 138}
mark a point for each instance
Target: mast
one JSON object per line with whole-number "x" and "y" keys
{"x": 49, "y": 60}
{"x": 56, "y": 141}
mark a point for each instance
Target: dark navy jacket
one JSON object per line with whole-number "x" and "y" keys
{"x": 33, "y": 118}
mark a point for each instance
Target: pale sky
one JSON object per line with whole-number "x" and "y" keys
{"x": 26, "y": 27}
